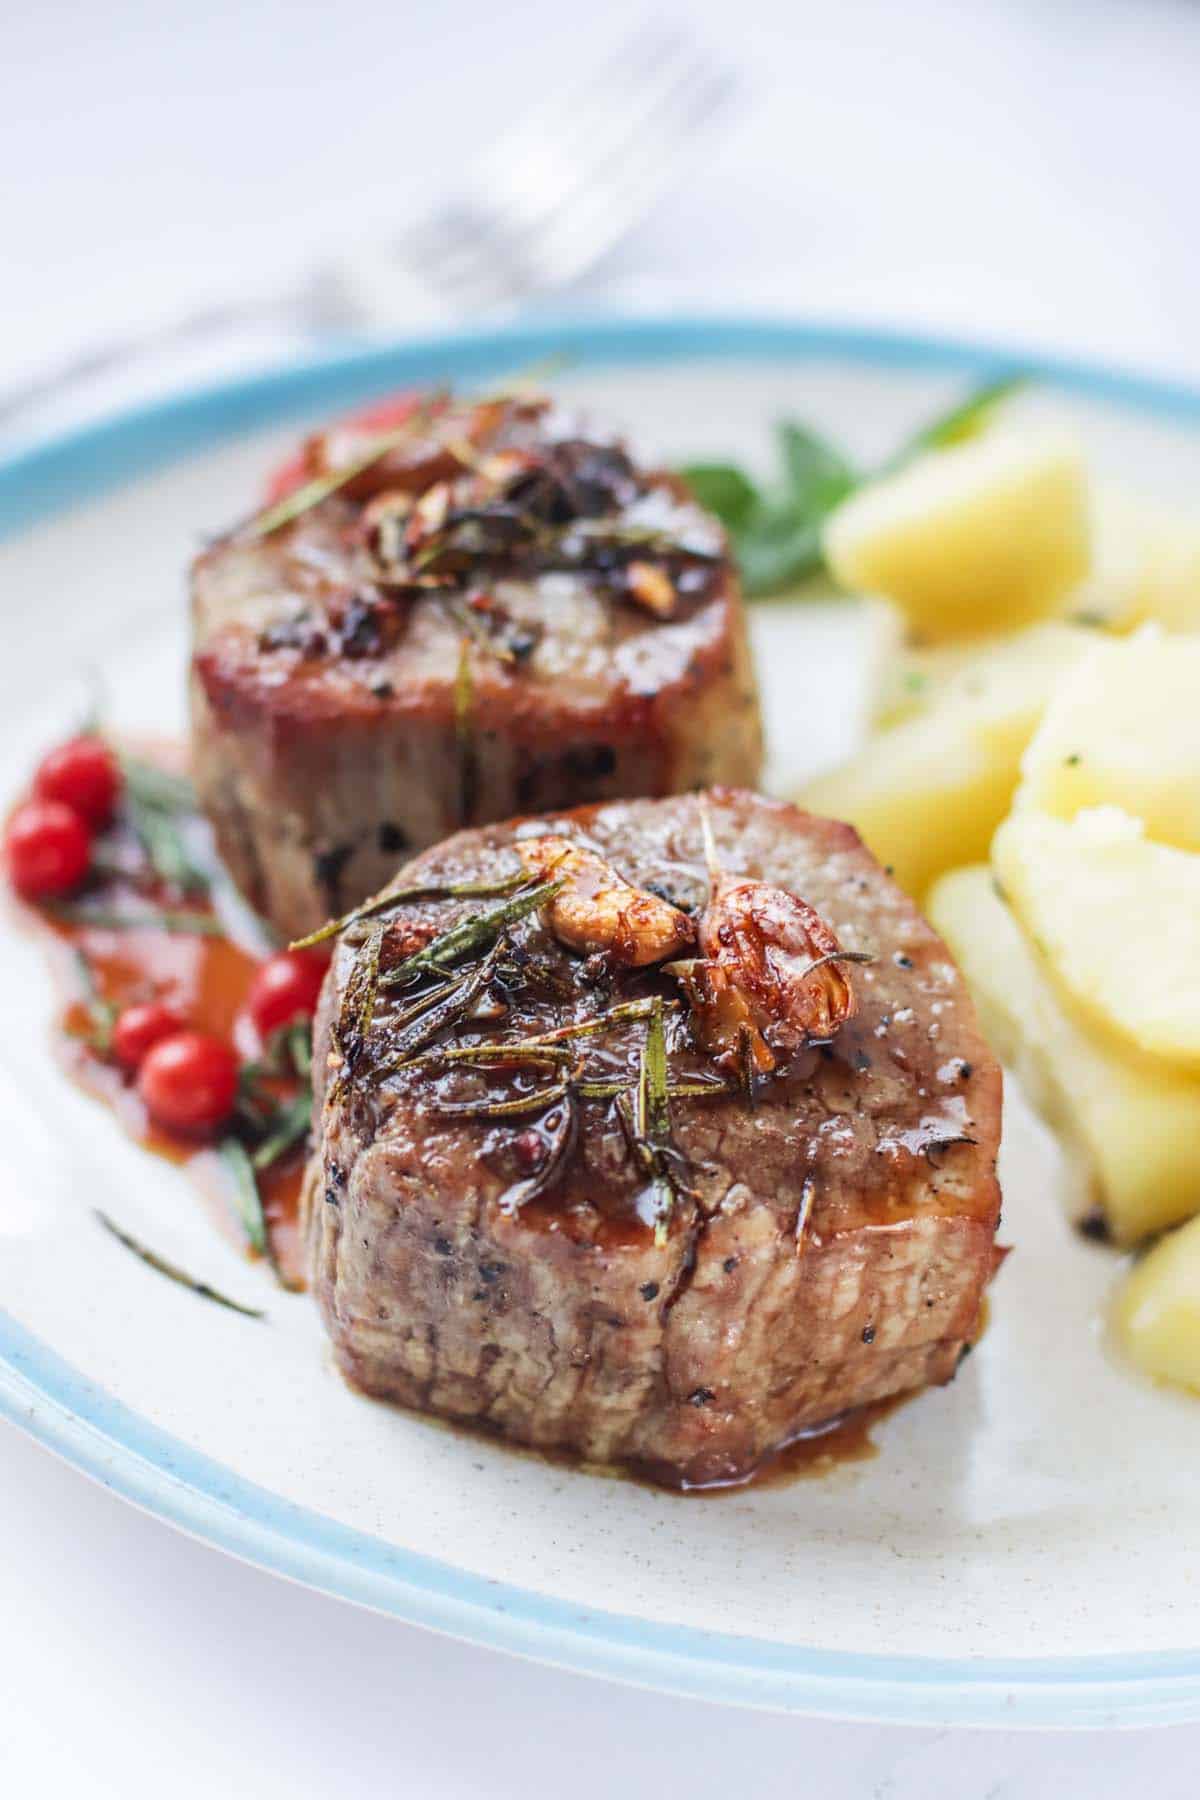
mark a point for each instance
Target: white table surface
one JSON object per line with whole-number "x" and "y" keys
{"x": 1014, "y": 171}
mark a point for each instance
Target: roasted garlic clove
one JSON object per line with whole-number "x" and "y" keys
{"x": 597, "y": 909}
{"x": 772, "y": 976}
{"x": 651, "y": 587}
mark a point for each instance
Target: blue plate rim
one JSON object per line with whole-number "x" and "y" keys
{"x": 157, "y": 1471}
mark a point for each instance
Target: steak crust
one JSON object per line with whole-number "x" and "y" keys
{"x": 330, "y": 735}
{"x": 834, "y": 1240}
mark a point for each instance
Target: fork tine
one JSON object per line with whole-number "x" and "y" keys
{"x": 604, "y": 208}
{"x": 548, "y": 206}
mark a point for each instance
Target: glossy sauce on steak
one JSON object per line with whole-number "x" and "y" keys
{"x": 498, "y": 613}
{"x": 565, "y": 1212}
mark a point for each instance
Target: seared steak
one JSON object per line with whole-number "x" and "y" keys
{"x": 523, "y": 1243}
{"x": 500, "y": 614}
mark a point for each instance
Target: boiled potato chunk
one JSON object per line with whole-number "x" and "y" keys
{"x": 1124, "y": 730}
{"x": 1135, "y": 1130}
{"x": 995, "y": 672}
{"x": 981, "y": 537}
{"x": 1157, "y": 1316}
{"x": 1169, "y": 588}
{"x": 1116, "y": 920}
{"x": 928, "y": 793}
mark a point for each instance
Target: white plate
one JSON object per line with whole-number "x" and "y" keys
{"x": 1026, "y": 1546}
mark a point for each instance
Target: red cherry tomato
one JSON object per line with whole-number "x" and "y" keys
{"x": 85, "y": 775}
{"x": 189, "y": 1082}
{"x": 284, "y": 988}
{"x": 48, "y": 849}
{"x": 139, "y": 1028}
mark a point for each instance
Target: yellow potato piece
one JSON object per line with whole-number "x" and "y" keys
{"x": 1124, "y": 730}
{"x": 993, "y": 672}
{"x": 928, "y": 793}
{"x": 985, "y": 536}
{"x": 1169, "y": 587}
{"x": 1134, "y": 1129}
{"x": 1116, "y": 920}
{"x": 1157, "y": 1313}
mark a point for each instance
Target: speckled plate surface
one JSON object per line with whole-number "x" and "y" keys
{"x": 1026, "y": 1546}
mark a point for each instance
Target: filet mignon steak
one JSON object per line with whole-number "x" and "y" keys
{"x": 501, "y": 613}
{"x": 524, "y": 1243}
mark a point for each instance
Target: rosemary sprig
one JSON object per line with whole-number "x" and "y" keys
{"x": 652, "y": 1124}
{"x": 420, "y": 1023}
{"x": 521, "y": 1050}
{"x": 520, "y": 1104}
{"x": 247, "y": 1198}
{"x": 303, "y": 499}
{"x": 153, "y": 804}
{"x": 358, "y": 1005}
{"x": 172, "y": 1271}
{"x": 430, "y": 890}
{"x": 111, "y": 918}
{"x": 102, "y": 1014}
{"x": 472, "y": 933}
{"x": 613, "y": 1015}
{"x": 676, "y": 1090}
{"x": 292, "y": 1122}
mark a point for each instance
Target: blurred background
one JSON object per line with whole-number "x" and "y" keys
{"x": 1018, "y": 171}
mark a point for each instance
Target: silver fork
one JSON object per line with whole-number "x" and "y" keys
{"x": 557, "y": 191}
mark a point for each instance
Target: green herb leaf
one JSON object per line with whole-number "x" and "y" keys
{"x": 517, "y": 1107}
{"x": 154, "y": 803}
{"x": 246, "y": 1196}
{"x": 817, "y": 474}
{"x": 776, "y": 532}
{"x": 398, "y": 897}
{"x": 723, "y": 489}
{"x": 963, "y": 421}
{"x": 358, "y": 1005}
{"x": 476, "y": 932}
{"x": 146, "y": 918}
{"x": 172, "y": 1271}
{"x": 290, "y": 1128}
{"x": 102, "y": 1014}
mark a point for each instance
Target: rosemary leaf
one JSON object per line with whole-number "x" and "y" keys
{"x": 291, "y": 1126}
{"x": 158, "y": 787}
{"x": 303, "y": 499}
{"x": 625, "y": 1010}
{"x": 419, "y": 1024}
{"x": 162, "y": 841}
{"x": 111, "y": 918}
{"x": 172, "y": 1270}
{"x": 246, "y": 1196}
{"x": 676, "y": 1090}
{"x": 102, "y": 1014}
{"x": 472, "y": 933}
{"x": 154, "y": 802}
{"x": 358, "y": 1004}
{"x": 520, "y": 1050}
{"x": 521, "y": 1104}
{"x": 505, "y": 884}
